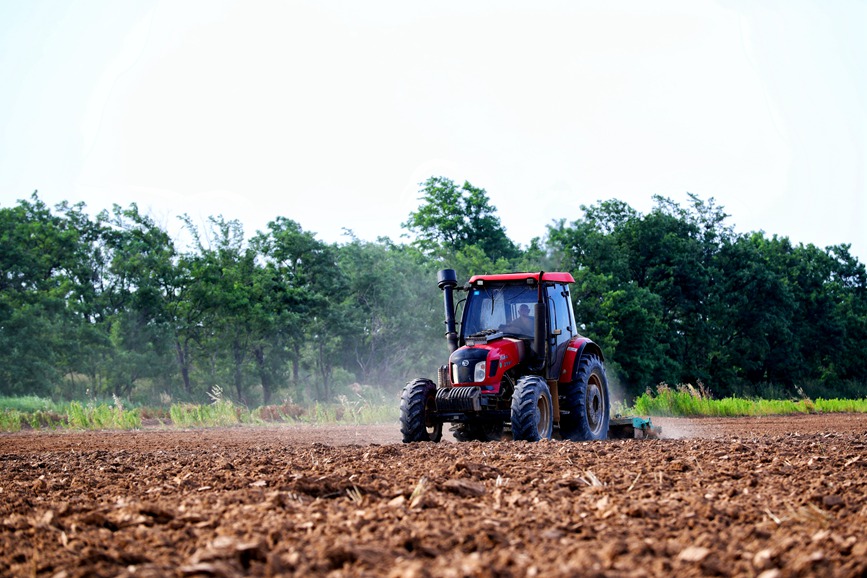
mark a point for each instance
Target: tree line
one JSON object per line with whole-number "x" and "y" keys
{"x": 114, "y": 305}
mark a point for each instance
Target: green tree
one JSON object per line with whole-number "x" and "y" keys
{"x": 672, "y": 295}
{"x": 224, "y": 289}
{"x": 753, "y": 342}
{"x": 145, "y": 287}
{"x": 394, "y": 311}
{"x": 644, "y": 284}
{"x": 303, "y": 289}
{"x": 455, "y": 218}
{"x": 848, "y": 287}
{"x": 46, "y": 291}
{"x": 624, "y": 317}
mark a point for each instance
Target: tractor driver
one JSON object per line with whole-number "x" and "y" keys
{"x": 523, "y": 324}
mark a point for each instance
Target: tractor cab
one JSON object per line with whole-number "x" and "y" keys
{"x": 513, "y": 320}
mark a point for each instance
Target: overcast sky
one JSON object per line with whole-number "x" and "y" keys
{"x": 332, "y": 113}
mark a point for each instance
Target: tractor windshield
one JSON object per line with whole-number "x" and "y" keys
{"x": 506, "y": 308}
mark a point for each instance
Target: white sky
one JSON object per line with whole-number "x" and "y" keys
{"x": 332, "y": 113}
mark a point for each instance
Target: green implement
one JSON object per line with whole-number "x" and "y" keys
{"x": 620, "y": 427}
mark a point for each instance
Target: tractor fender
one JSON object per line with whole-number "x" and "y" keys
{"x": 576, "y": 348}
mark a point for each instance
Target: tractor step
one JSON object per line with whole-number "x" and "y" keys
{"x": 632, "y": 427}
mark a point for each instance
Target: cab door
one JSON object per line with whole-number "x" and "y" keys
{"x": 561, "y": 326}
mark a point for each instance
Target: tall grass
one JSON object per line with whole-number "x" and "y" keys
{"x": 225, "y": 413}
{"x": 362, "y": 410}
{"x": 102, "y": 416}
{"x": 45, "y": 419}
{"x": 841, "y": 405}
{"x": 40, "y": 413}
{"x": 10, "y": 420}
{"x": 370, "y": 406}
{"x": 689, "y": 401}
{"x": 220, "y": 413}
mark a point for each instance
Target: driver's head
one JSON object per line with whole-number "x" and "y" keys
{"x": 524, "y": 310}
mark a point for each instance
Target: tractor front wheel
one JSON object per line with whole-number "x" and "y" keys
{"x": 532, "y": 410}
{"x": 417, "y": 404}
{"x": 584, "y": 402}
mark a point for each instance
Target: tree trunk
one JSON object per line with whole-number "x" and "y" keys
{"x": 296, "y": 362}
{"x": 185, "y": 369}
{"x": 324, "y": 373}
{"x": 264, "y": 375}
{"x": 238, "y": 357}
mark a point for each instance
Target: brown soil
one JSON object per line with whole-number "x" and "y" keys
{"x": 767, "y": 496}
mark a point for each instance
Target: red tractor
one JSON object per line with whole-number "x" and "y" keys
{"x": 516, "y": 363}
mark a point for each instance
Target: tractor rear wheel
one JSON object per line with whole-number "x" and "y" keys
{"x": 532, "y": 410}
{"x": 584, "y": 402}
{"x": 417, "y": 403}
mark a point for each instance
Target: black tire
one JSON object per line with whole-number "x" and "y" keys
{"x": 417, "y": 402}
{"x": 532, "y": 410}
{"x": 586, "y": 401}
{"x": 483, "y": 431}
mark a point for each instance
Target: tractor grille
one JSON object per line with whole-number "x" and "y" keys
{"x": 459, "y": 399}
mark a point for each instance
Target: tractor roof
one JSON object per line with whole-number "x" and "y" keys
{"x": 517, "y": 277}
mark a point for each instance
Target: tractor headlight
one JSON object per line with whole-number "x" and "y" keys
{"x": 479, "y": 372}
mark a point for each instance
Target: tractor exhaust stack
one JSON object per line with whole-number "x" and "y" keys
{"x": 447, "y": 280}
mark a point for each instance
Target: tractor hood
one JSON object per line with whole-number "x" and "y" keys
{"x": 483, "y": 362}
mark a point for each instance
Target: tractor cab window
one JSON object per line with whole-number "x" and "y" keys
{"x": 506, "y": 308}
{"x": 560, "y": 310}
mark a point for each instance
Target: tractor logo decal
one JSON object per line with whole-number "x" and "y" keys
{"x": 465, "y": 362}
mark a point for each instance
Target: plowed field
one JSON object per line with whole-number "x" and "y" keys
{"x": 746, "y": 497}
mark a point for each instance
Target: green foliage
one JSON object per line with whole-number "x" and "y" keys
{"x": 29, "y": 403}
{"x": 50, "y": 267}
{"x": 676, "y": 296}
{"x": 94, "y": 308}
{"x": 453, "y": 218}
{"x": 390, "y": 314}
{"x": 299, "y": 318}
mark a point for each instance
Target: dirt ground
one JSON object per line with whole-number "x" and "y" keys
{"x": 770, "y": 497}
